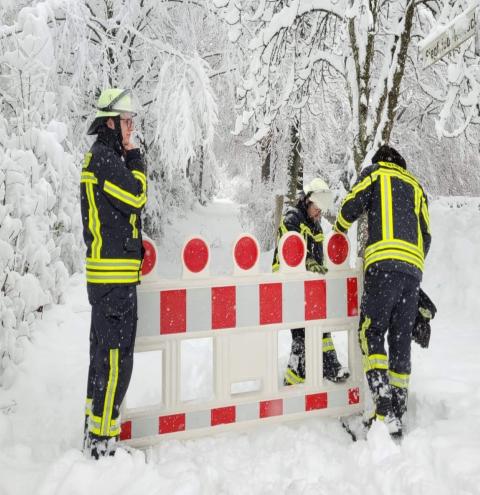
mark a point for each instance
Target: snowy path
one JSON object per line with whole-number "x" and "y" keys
{"x": 40, "y": 436}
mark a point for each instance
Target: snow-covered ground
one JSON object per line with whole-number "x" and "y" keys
{"x": 41, "y": 416}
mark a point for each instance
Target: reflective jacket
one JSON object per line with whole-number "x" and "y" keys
{"x": 296, "y": 219}
{"x": 113, "y": 193}
{"x": 398, "y": 221}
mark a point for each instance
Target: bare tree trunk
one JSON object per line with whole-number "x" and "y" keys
{"x": 266, "y": 149}
{"x": 278, "y": 213}
{"x": 295, "y": 163}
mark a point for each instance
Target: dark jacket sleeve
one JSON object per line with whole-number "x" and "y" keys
{"x": 124, "y": 183}
{"x": 356, "y": 201}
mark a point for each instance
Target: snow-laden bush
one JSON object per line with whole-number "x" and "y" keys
{"x": 39, "y": 233}
{"x": 40, "y": 228}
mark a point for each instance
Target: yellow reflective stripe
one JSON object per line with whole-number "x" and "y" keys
{"x": 403, "y": 177}
{"x": 88, "y": 407}
{"x": 133, "y": 223}
{"x": 399, "y": 380}
{"x": 364, "y": 343}
{"x": 400, "y": 244}
{"x": 327, "y": 344}
{"x": 292, "y": 378}
{"x": 276, "y": 267}
{"x": 361, "y": 186}
{"x": 425, "y": 214}
{"x": 141, "y": 177}
{"x": 404, "y": 173}
{"x": 379, "y": 417}
{"x": 418, "y": 201}
{"x": 378, "y": 361}
{"x": 394, "y": 255}
{"x": 86, "y": 160}
{"x": 112, "y": 264}
{"x": 110, "y": 393}
{"x": 112, "y": 277}
{"x": 137, "y": 201}
{"x": 342, "y": 222}
{"x": 387, "y": 207}
{"x": 95, "y": 426}
{"x": 93, "y": 222}
{"x": 87, "y": 177}
{"x": 282, "y": 227}
{"x": 305, "y": 230}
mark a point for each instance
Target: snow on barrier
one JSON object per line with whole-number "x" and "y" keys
{"x": 242, "y": 314}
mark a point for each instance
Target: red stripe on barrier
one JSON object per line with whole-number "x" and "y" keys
{"x": 315, "y": 300}
{"x": 171, "y": 423}
{"x": 316, "y": 401}
{"x": 270, "y": 303}
{"x": 353, "y": 396}
{"x": 173, "y": 311}
{"x": 352, "y": 296}
{"x": 269, "y": 408}
{"x": 126, "y": 431}
{"x": 224, "y": 313}
{"x": 223, "y": 415}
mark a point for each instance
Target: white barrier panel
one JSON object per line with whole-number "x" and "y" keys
{"x": 242, "y": 314}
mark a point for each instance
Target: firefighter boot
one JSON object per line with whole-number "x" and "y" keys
{"x": 399, "y": 402}
{"x": 295, "y": 372}
{"x": 86, "y": 436}
{"x": 332, "y": 369}
{"x": 101, "y": 446}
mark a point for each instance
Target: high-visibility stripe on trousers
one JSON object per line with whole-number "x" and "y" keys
{"x": 112, "y": 338}
{"x": 389, "y": 307}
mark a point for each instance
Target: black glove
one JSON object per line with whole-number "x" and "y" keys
{"x": 426, "y": 312}
{"x": 313, "y": 266}
{"x": 421, "y": 331}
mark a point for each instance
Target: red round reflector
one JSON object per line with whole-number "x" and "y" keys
{"x": 246, "y": 253}
{"x": 195, "y": 255}
{"x": 149, "y": 257}
{"x": 337, "y": 249}
{"x": 293, "y": 251}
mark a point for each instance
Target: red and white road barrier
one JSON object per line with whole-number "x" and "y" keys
{"x": 242, "y": 315}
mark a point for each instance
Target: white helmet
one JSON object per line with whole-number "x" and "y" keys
{"x": 111, "y": 103}
{"x": 319, "y": 193}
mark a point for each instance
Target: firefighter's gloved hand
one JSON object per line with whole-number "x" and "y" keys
{"x": 421, "y": 331}
{"x": 315, "y": 267}
{"x": 426, "y": 311}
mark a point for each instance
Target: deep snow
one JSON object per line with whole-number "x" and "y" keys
{"x": 41, "y": 415}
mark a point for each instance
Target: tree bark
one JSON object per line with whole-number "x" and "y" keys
{"x": 295, "y": 163}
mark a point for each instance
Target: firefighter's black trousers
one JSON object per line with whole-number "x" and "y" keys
{"x": 331, "y": 365}
{"x": 112, "y": 339}
{"x": 389, "y": 307}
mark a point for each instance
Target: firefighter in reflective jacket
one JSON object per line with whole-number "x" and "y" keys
{"x": 113, "y": 194}
{"x": 398, "y": 241}
{"x": 304, "y": 218}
